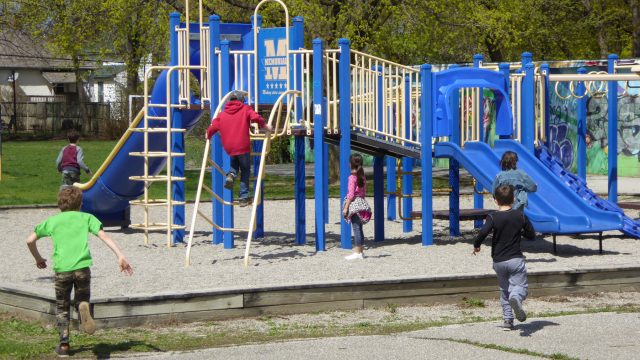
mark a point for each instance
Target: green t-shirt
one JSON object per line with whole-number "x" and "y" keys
{"x": 69, "y": 231}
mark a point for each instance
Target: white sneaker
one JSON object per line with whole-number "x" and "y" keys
{"x": 355, "y": 256}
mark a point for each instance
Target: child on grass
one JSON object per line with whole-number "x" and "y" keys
{"x": 71, "y": 159}
{"x": 518, "y": 179}
{"x": 508, "y": 226}
{"x": 69, "y": 231}
{"x": 233, "y": 125}
{"x": 355, "y": 209}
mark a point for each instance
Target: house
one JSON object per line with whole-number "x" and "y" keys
{"x": 31, "y": 76}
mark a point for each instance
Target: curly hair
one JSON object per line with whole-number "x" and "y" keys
{"x": 69, "y": 198}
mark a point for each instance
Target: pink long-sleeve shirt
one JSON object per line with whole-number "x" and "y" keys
{"x": 358, "y": 191}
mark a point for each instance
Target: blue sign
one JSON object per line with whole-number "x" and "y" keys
{"x": 272, "y": 64}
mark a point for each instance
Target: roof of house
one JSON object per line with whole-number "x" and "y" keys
{"x": 108, "y": 71}
{"x": 18, "y": 50}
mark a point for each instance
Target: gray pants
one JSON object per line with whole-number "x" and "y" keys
{"x": 512, "y": 279}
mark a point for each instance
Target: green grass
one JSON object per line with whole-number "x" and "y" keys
{"x": 22, "y": 339}
{"x": 29, "y": 175}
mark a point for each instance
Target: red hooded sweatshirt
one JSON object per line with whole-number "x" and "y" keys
{"x": 233, "y": 124}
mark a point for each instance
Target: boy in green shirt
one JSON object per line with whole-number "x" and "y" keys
{"x": 69, "y": 231}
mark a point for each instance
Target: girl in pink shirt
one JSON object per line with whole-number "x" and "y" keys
{"x": 356, "y": 210}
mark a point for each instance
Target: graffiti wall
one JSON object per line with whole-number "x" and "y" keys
{"x": 563, "y": 130}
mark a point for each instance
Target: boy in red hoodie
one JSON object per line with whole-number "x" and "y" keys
{"x": 233, "y": 125}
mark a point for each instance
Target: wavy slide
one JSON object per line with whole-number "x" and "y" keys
{"x": 554, "y": 208}
{"x": 108, "y": 193}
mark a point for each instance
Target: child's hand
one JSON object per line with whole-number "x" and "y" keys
{"x": 475, "y": 251}
{"x": 41, "y": 263}
{"x": 345, "y": 212}
{"x": 124, "y": 266}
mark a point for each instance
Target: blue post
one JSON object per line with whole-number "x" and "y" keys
{"x": 391, "y": 188}
{"x": 407, "y": 163}
{"x": 300, "y": 191}
{"x": 257, "y": 148}
{"x": 177, "y": 139}
{"x": 504, "y": 69}
{"x": 227, "y": 195}
{"x": 325, "y": 170}
{"x": 478, "y": 199}
{"x": 527, "y": 135}
{"x": 582, "y": 127}
{"x": 344, "y": 84}
{"x": 612, "y": 131}
{"x": 378, "y": 198}
{"x": 217, "y": 180}
{"x": 426, "y": 130}
{"x": 544, "y": 68}
{"x": 526, "y": 58}
{"x": 454, "y": 168}
{"x": 318, "y": 139}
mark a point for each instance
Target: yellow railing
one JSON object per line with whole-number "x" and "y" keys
{"x": 116, "y": 149}
{"x": 373, "y": 78}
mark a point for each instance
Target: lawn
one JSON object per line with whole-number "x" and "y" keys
{"x": 29, "y": 175}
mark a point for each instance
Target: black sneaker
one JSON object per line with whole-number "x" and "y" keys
{"x": 62, "y": 350}
{"x": 516, "y": 305}
{"x": 228, "y": 183}
{"x": 507, "y": 325}
{"x": 244, "y": 202}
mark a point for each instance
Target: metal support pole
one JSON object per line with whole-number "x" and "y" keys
{"x": 527, "y": 128}
{"x": 478, "y": 199}
{"x": 612, "y": 131}
{"x": 407, "y": 163}
{"x": 344, "y": 84}
{"x": 227, "y": 195}
{"x": 217, "y": 179}
{"x": 454, "y": 168}
{"x": 391, "y": 188}
{"x": 378, "y": 198}
{"x": 544, "y": 69}
{"x": 582, "y": 127}
{"x": 318, "y": 147}
{"x": 426, "y": 102}
{"x": 300, "y": 190}
{"x": 259, "y": 233}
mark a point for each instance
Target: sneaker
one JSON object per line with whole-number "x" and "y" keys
{"x": 507, "y": 325}
{"x": 62, "y": 350}
{"x": 516, "y": 305}
{"x": 355, "y": 256}
{"x": 244, "y": 202}
{"x": 228, "y": 183}
{"x": 86, "y": 320}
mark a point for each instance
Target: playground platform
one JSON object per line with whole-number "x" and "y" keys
{"x": 286, "y": 278}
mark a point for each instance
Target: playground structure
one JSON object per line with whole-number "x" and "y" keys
{"x": 359, "y": 102}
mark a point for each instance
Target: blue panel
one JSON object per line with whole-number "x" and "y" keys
{"x": 272, "y": 64}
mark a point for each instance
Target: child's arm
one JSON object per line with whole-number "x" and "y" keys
{"x": 484, "y": 232}
{"x": 351, "y": 193}
{"x": 122, "y": 261}
{"x": 41, "y": 263}
{"x": 254, "y": 117}
{"x": 80, "y": 158}
{"x": 529, "y": 184}
{"x": 529, "y": 231}
{"x": 59, "y": 160}
{"x": 213, "y": 128}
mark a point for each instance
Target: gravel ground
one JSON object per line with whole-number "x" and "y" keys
{"x": 276, "y": 260}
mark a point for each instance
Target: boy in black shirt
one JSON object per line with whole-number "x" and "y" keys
{"x": 508, "y": 226}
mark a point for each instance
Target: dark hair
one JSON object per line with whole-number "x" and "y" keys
{"x": 356, "y": 167}
{"x": 70, "y": 198}
{"x": 509, "y": 160}
{"x": 504, "y": 195}
{"x": 73, "y": 136}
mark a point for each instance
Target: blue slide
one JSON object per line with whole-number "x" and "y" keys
{"x": 108, "y": 198}
{"x": 579, "y": 186}
{"x": 553, "y": 209}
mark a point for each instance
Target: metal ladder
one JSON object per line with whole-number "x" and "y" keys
{"x": 280, "y": 128}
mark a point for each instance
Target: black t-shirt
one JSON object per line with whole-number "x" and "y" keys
{"x": 508, "y": 229}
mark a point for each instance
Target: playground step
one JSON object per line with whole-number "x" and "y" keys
{"x": 155, "y": 202}
{"x": 156, "y": 226}
{"x": 158, "y": 130}
{"x": 156, "y": 178}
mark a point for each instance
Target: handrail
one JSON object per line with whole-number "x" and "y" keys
{"x": 87, "y": 185}
{"x": 201, "y": 180}
{"x": 258, "y": 187}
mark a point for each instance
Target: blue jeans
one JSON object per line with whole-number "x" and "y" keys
{"x": 358, "y": 234}
{"x": 242, "y": 163}
{"x": 512, "y": 278}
